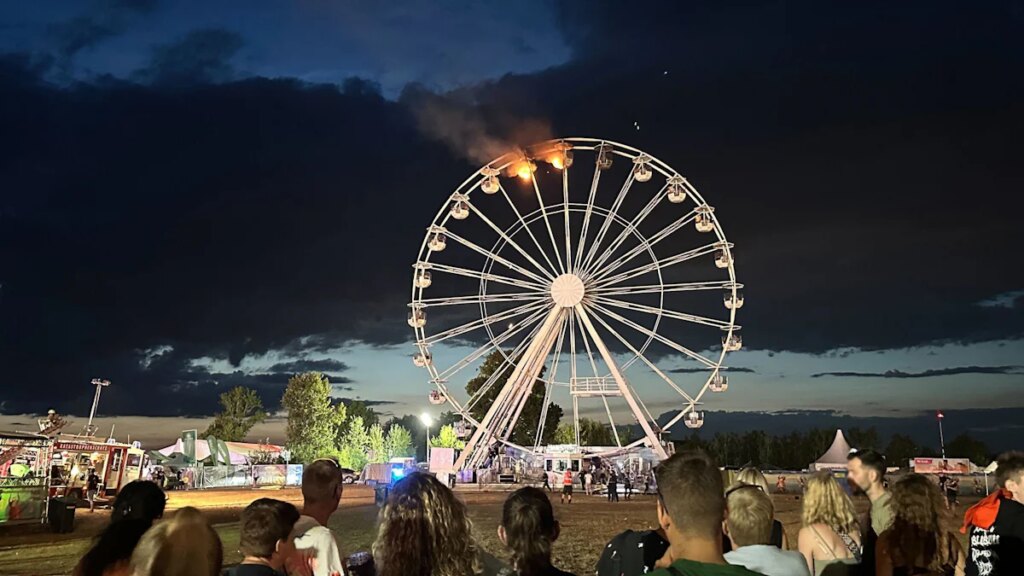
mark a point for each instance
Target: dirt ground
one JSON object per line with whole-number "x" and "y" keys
{"x": 587, "y": 524}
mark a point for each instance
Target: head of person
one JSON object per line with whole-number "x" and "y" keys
{"x": 139, "y": 500}
{"x": 322, "y": 484}
{"x": 749, "y": 515}
{"x": 424, "y": 530}
{"x": 753, "y": 477}
{"x": 1010, "y": 474}
{"x": 826, "y": 503}
{"x": 865, "y": 469}
{"x": 113, "y": 547}
{"x": 185, "y": 545}
{"x": 691, "y": 499}
{"x": 528, "y": 527}
{"x": 266, "y": 527}
{"x": 922, "y": 524}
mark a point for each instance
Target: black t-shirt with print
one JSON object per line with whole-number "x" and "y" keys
{"x": 999, "y": 550}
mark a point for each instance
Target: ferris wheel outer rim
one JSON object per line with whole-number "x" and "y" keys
{"x": 502, "y": 162}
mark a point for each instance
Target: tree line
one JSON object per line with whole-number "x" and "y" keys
{"x": 319, "y": 425}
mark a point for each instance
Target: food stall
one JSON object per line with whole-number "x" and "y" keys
{"x": 115, "y": 463}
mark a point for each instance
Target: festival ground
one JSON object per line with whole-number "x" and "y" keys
{"x": 587, "y": 524}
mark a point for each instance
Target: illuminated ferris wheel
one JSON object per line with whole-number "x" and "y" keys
{"x": 612, "y": 294}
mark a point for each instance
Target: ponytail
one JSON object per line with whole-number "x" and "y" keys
{"x": 530, "y": 529}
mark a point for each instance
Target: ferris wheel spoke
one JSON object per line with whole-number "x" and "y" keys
{"x": 469, "y": 273}
{"x": 535, "y": 317}
{"x": 619, "y": 199}
{"x": 482, "y": 299}
{"x": 658, "y": 288}
{"x": 547, "y": 389}
{"x": 643, "y": 359}
{"x": 497, "y": 258}
{"x": 588, "y": 211}
{"x": 631, "y": 228}
{"x": 661, "y": 263}
{"x": 694, "y": 318}
{"x": 480, "y": 323}
{"x": 529, "y": 232}
{"x": 565, "y": 206}
{"x": 499, "y": 372}
{"x": 572, "y": 372}
{"x": 508, "y": 240}
{"x": 648, "y": 332}
{"x": 645, "y": 246}
{"x": 547, "y": 224}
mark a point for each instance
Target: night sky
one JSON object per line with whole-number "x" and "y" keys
{"x": 197, "y": 195}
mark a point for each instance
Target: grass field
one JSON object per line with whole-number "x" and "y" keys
{"x": 587, "y": 525}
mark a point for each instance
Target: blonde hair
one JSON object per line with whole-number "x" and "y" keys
{"x": 753, "y": 477}
{"x": 424, "y": 531}
{"x": 749, "y": 515}
{"x": 826, "y": 503}
{"x": 186, "y": 545}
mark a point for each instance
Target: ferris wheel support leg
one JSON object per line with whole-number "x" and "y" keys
{"x": 627, "y": 394}
{"x": 531, "y": 376}
{"x": 476, "y": 447}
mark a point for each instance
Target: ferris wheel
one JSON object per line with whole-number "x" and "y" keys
{"x": 584, "y": 268}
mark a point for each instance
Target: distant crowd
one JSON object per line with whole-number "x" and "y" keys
{"x": 705, "y": 529}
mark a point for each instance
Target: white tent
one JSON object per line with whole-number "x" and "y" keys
{"x": 835, "y": 456}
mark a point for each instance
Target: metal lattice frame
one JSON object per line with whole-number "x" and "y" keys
{"x": 562, "y": 294}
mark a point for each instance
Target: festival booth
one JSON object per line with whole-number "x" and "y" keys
{"x": 220, "y": 464}
{"x": 23, "y": 478}
{"x": 73, "y": 457}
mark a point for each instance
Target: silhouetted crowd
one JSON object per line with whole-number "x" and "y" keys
{"x": 705, "y": 529}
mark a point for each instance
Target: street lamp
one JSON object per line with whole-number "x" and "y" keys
{"x": 942, "y": 442}
{"x": 427, "y": 421}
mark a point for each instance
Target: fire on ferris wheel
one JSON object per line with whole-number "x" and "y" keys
{"x": 597, "y": 272}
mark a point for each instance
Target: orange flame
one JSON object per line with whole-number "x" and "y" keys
{"x": 557, "y": 161}
{"x": 525, "y": 169}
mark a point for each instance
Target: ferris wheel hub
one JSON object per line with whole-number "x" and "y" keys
{"x": 567, "y": 290}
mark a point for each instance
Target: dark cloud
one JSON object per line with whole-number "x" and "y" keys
{"x": 107, "y": 19}
{"x": 927, "y": 373}
{"x": 704, "y": 370}
{"x": 327, "y": 366}
{"x": 870, "y": 188}
{"x": 201, "y": 57}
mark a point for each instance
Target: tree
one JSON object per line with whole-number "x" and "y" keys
{"x": 364, "y": 411}
{"x": 594, "y": 433}
{"x": 966, "y": 446}
{"x": 524, "y": 432}
{"x": 353, "y": 451}
{"x": 242, "y": 409}
{"x": 417, "y": 432}
{"x": 378, "y": 444}
{"x": 446, "y": 438}
{"x": 901, "y": 449}
{"x": 340, "y": 427}
{"x": 399, "y": 442}
{"x": 565, "y": 434}
{"x": 311, "y": 417}
{"x": 864, "y": 439}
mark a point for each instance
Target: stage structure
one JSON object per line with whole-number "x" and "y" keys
{"x": 600, "y": 276}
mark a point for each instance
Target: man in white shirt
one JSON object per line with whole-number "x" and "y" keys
{"x": 321, "y": 494}
{"x": 748, "y": 524}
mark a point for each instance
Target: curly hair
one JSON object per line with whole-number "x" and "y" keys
{"x": 530, "y": 529}
{"x": 922, "y": 529}
{"x": 826, "y": 503}
{"x": 424, "y": 531}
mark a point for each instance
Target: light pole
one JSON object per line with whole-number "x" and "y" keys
{"x": 942, "y": 443}
{"x": 427, "y": 421}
